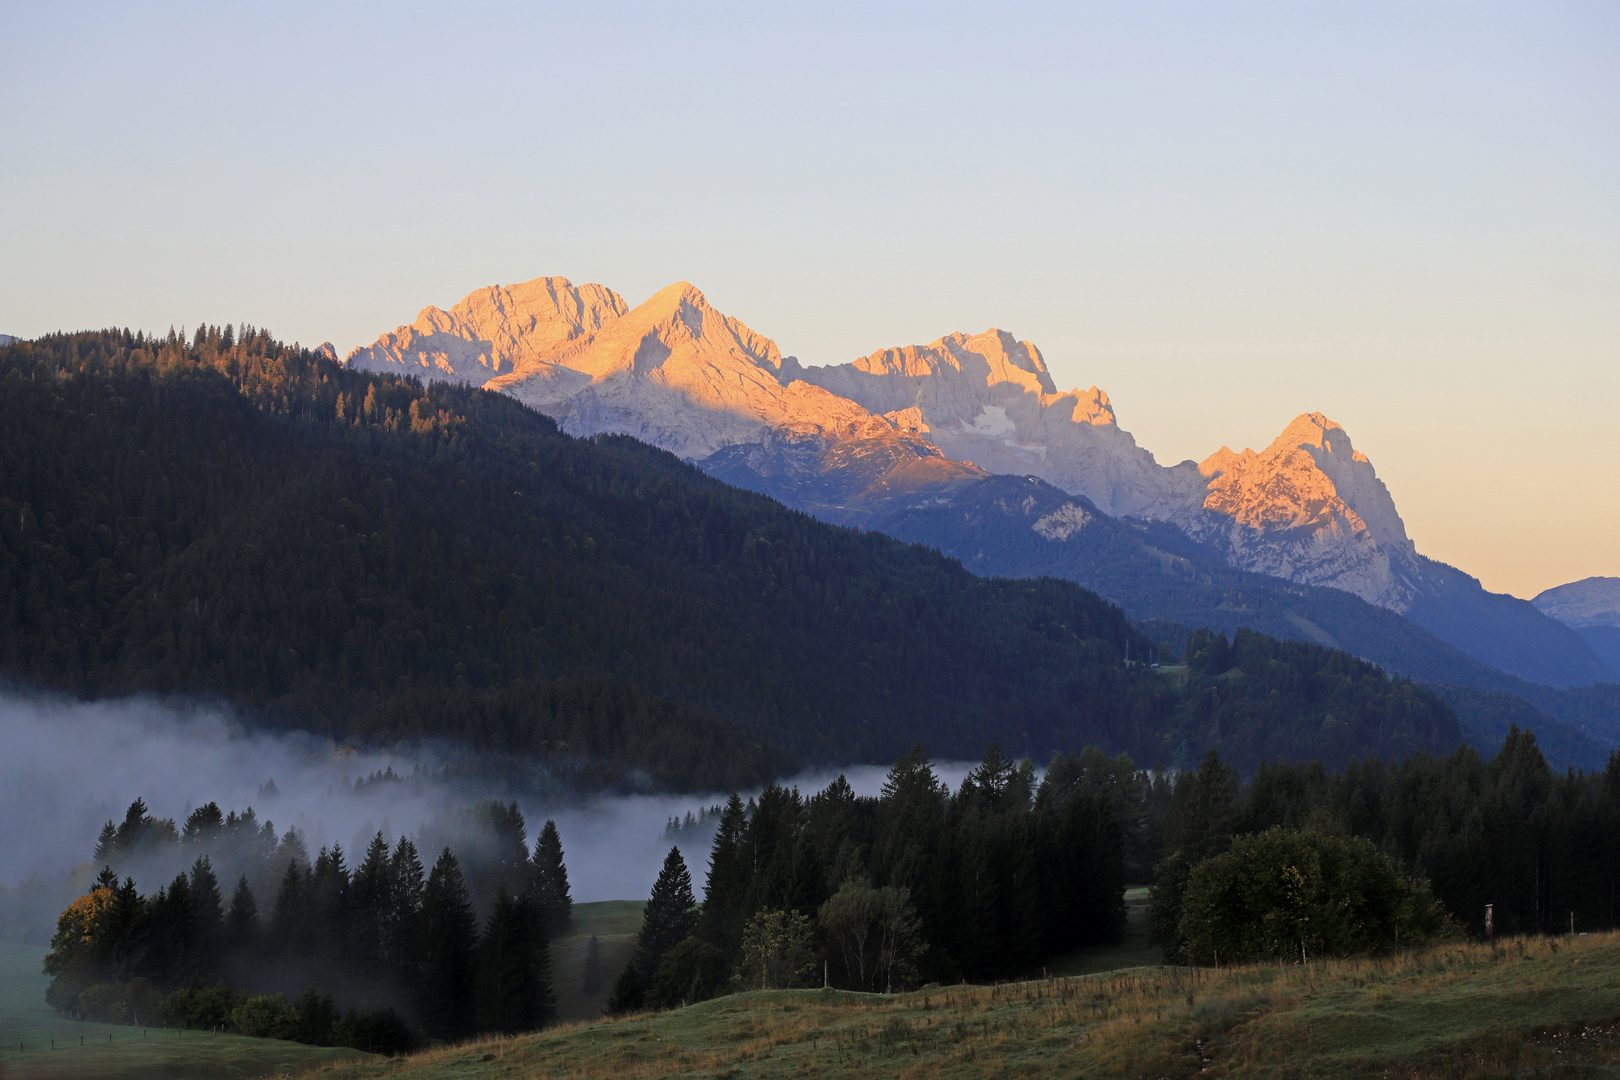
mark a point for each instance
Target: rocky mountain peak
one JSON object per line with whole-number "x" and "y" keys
{"x": 509, "y": 331}
{"x": 1593, "y": 601}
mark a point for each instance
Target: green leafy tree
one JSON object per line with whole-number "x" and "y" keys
{"x": 872, "y": 934}
{"x": 1290, "y": 894}
{"x": 777, "y": 950}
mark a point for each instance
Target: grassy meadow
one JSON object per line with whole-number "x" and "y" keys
{"x": 90, "y": 1051}
{"x": 1541, "y": 1007}
{"x": 615, "y": 923}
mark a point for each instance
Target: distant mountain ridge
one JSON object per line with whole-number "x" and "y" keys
{"x": 373, "y": 559}
{"x": 909, "y": 426}
{"x": 1590, "y": 607}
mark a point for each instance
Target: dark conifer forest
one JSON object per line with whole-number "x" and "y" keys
{"x": 257, "y": 938}
{"x": 1012, "y": 871}
{"x": 229, "y": 518}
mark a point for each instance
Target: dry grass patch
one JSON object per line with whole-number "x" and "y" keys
{"x": 1544, "y": 1007}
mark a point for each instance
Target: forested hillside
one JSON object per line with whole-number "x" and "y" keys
{"x": 230, "y": 517}
{"x": 1168, "y": 583}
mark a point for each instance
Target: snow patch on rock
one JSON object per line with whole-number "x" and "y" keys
{"x": 1062, "y": 523}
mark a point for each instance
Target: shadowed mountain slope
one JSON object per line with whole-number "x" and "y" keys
{"x": 912, "y": 423}
{"x": 363, "y": 556}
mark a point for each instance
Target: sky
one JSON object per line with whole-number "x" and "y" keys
{"x": 1404, "y": 215}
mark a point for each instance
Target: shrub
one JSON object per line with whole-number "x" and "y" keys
{"x": 776, "y": 951}
{"x": 692, "y": 971}
{"x": 265, "y": 1016}
{"x": 1290, "y": 894}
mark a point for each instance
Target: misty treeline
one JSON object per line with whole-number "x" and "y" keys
{"x": 914, "y": 885}
{"x": 1543, "y": 848}
{"x": 443, "y": 949}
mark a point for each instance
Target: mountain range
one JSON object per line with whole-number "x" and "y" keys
{"x": 1590, "y": 607}
{"x": 230, "y": 519}
{"x": 905, "y": 433}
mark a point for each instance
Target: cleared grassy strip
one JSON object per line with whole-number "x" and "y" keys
{"x": 1520, "y": 1008}
{"x": 615, "y": 924}
{"x": 94, "y": 1051}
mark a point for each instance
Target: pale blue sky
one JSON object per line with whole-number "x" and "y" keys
{"x": 1404, "y": 215}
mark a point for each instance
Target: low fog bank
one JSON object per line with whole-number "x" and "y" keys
{"x": 68, "y": 768}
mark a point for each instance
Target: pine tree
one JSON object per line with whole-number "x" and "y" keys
{"x": 402, "y": 927}
{"x": 173, "y": 957}
{"x": 371, "y": 899}
{"x": 449, "y": 935}
{"x": 514, "y": 968}
{"x": 329, "y": 902}
{"x": 551, "y": 881}
{"x": 725, "y": 892}
{"x": 669, "y": 919}
{"x": 289, "y": 919}
{"x": 206, "y": 899}
{"x": 242, "y": 922}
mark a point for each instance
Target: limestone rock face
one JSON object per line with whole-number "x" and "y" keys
{"x": 912, "y": 422}
{"x": 503, "y": 330}
{"x": 989, "y": 399}
{"x": 1309, "y": 508}
{"x": 679, "y": 374}
{"x": 1593, "y": 601}
{"x": 673, "y": 371}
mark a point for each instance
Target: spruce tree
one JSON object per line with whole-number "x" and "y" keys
{"x": 402, "y": 925}
{"x": 551, "y": 881}
{"x": 203, "y": 824}
{"x": 725, "y": 892}
{"x": 329, "y": 902}
{"x": 106, "y": 845}
{"x": 206, "y": 899}
{"x": 514, "y": 969}
{"x": 669, "y": 918}
{"x": 371, "y": 902}
{"x": 242, "y": 922}
{"x": 289, "y": 919}
{"x": 173, "y": 955}
{"x": 449, "y": 936}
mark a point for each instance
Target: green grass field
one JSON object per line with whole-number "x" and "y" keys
{"x": 1133, "y": 951}
{"x": 87, "y": 1051}
{"x": 1521, "y": 1008}
{"x": 615, "y": 923}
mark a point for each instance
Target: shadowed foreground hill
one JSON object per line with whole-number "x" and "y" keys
{"x": 228, "y": 517}
{"x": 1521, "y": 1008}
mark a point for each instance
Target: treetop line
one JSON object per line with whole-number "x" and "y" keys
{"x": 916, "y": 884}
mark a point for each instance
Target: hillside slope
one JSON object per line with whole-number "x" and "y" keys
{"x": 1537, "y": 1007}
{"x": 910, "y": 423}
{"x": 361, "y": 555}
{"x": 1024, "y": 527}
